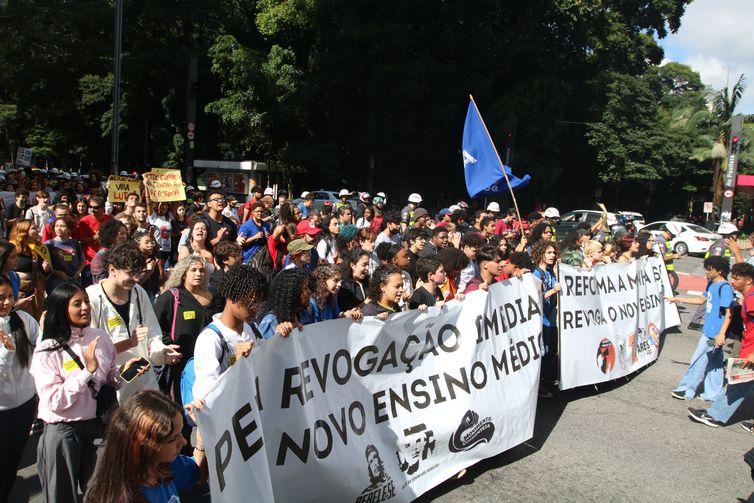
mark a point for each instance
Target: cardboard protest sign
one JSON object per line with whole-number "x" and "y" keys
{"x": 119, "y": 187}
{"x": 375, "y": 410}
{"x": 165, "y": 186}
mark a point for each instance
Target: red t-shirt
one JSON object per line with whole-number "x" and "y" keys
{"x": 747, "y": 313}
{"x": 88, "y": 227}
{"x": 501, "y": 226}
{"x": 247, "y": 208}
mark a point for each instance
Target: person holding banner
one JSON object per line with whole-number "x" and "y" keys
{"x": 490, "y": 267}
{"x": 707, "y": 362}
{"x": 385, "y": 290}
{"x": 232, "y": 332}
{"x": 141, "y": 458}
{"x": 289, "y": 303}
{"x": 545, "y": 255}
{"x": 723, "y": 408}
{"x": 354, "y": 271}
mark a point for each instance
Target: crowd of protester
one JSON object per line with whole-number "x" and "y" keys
{"x": 146, "y": 304}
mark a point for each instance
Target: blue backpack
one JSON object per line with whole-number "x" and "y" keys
{"x": 188, "y": 376}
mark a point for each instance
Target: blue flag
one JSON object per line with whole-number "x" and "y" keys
{"x": 481, "y": 165}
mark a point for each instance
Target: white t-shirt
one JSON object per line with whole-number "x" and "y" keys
{"x": 209, "y": 360}
{"x": 163, "y": 229}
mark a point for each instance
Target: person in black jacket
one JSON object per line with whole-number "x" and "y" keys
{"x": 354, "y": 272}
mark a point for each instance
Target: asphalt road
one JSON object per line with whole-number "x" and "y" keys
{"x": 624, "y": 441}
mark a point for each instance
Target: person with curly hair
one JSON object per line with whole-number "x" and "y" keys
{"x": 183, "y": 310}
{"x": 289, "y": 304}
{"x": 111, "y": 233}
{"x": 34, "y": 265}
{"x": 544, "y": 254}
{"x": 646, "y": 244}
{"x": 232, "y": 332}
{"x": 454, "y": 261}
{"x": 353, "y": 270}
{"x": 385, "y": 290}
{"x": 629, "y": 247}
{"x": 325, "y": 299}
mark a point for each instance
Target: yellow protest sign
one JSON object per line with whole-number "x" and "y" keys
{"x": 161, "y": 170}
{"x": 165, "y": 186}
{"x": 119, "y": 187}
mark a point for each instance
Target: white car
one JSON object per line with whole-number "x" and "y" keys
{"x": 689, "y": 238}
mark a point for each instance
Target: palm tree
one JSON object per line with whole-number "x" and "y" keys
{"x": 723, "y": 103}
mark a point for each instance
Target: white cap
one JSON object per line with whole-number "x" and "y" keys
{"x": 124, "y": 173}
{"x": 189, "y": 187}
{"x": 344, "y": 192}
{"x": 454, "y": 207}
{"x": 304, "y": 194}
{"x": 382, "y": 195}
{"x": 727, "y": 228}
{"x": 215, "y": 184}
{"x": 415, "y": 198}
{"x": 364, "y": 196}
{"x": 551, "y": 213}
{"x": 493, "y": 206}
{"x": 268, "y": 191}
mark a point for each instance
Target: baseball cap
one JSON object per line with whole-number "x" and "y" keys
{"x": 215, "y": 184}
{"x": 445, "y": 211}
{"x": 307, "y": 227}
{"x": 420, "y": 212}
{"x": 304, "y": 194}
{"x": 299, "y": 245}
{"x": 344, "y": 192}
{"x": 493, "y": 206}
{"x": 189, "y": 187}
{"x": 268, "y": 191}
{"x": 415, "y": 198}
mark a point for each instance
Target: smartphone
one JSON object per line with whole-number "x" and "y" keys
{"x": 129, "y": 374}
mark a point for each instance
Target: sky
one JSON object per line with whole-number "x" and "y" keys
{"x": 716, "y": 39}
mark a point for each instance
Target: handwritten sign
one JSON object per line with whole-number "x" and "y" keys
{"x": 165, "y": 186}
{"x": 119, "y": 187}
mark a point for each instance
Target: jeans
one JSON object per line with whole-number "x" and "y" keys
{"x": 549, "y": 367}
{"x": 726, "y": 404}
{"x": 706, "y": 365}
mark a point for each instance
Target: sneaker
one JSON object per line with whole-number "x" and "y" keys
{"x": 701, "y": 416}
{"x": 748, "y": 426}
{"x": 678, "y": 394}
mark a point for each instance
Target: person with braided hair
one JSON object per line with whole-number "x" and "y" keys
{"x": 232, "y": 332}
{"x": 289, "y": 305}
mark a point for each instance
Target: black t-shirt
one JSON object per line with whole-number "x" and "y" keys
{"x": 12, "y": 212}
{"x": 373, "y": 309}
{"x": 215, "y": 226}
{"x": 123, "y": 310}
{"x": 191, "y": 318}
{"x": 350, "y": 295}
{"x": 423, "y": 296}
{"x": 411, "y": 269}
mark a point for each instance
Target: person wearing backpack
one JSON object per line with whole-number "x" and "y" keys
{"x": 121, "y": 308}
{"x": 183, "y": 311}
{"x": 18, "y": 397}
{"x": 231, "y": 333}
{"x": 707, "y": 362}
{"x": 722, "y": 409}
{"x": 544, "y": 255}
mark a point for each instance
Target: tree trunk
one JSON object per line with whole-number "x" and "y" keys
{"x": 717, "y": 183}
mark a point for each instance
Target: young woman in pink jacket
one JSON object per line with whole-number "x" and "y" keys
{"x": 71, "y": 365}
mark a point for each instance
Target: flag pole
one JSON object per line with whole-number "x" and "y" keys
{"x": 505, "y": 174}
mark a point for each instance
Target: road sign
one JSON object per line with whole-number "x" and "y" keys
{"x": 728, "y": 193}
{"x": 23, "y": 157}
{"x": 708, "y": 206}
{"x": 191, "y": 126}
{"x": 190, "y": 135}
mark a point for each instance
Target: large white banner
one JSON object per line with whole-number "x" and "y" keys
{"x": 611, "y": 318}
{"x": 377, "y": 411}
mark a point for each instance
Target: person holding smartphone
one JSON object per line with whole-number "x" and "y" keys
{"x": 121, "y": 308}
{"x": 141, "y": 458}
{"x": 70, "y": 365}
{"x": 18, "y": 401}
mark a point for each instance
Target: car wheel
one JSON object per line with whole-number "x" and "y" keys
{"x": 681, "y": 248}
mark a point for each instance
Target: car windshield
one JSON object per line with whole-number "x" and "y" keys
{"x": 699, "y": 229}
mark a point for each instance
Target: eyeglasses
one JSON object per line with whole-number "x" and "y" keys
{"x": 94, "y": 207}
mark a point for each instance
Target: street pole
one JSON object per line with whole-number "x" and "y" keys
{"x": 731, "y": 171}
{"x": 114, "y": 159}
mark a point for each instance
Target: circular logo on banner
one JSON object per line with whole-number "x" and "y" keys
{"x": 728, "y": 193}
{"x": 653, "y": 334}
{"x": 606, "y": 356}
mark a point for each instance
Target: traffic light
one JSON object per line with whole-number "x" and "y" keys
{"x": 735, "y": 142}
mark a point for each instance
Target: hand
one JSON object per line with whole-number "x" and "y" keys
{"x": 96, "y": 236}
{"x": 141, "y": 332}
{"x": 150, "y": 264}
{"x": 193, "y": 407}
{"x": 732, "y": 244}
{"x": 140, "y": 371}
{"x": 285, "y": 328}
{"x": 90, "y": 359}
{"x": 720, "y": 340}
{"x": 7, "y": 341}
{"x": 24, "y": 300}
{"x": 353, "y": 314}
{"x": 382, "y": 316}
{"x": 243, "y": 349}
{"x": 672, "y": 300}
{"x": 46, "y": 266}
{"x": 556, "y": 288}
{"x": 460, "y": 296}
{"x": 423, "y": 308}
{"x": 240, "y": 240}
{"x": 521, "y": 272}
{"x": 172, "y": 354}
{"x": 484, "y": 286}
{"x": 221, "y": 232}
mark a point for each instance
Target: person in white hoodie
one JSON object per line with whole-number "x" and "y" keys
{"x": 18, "y": 397}
{"x": 122, "y": 308}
